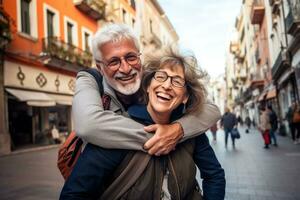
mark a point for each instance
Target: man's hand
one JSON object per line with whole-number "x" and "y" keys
{"x": 164, "y": 139}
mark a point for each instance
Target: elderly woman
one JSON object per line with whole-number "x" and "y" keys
{"x": 172, "y": 87}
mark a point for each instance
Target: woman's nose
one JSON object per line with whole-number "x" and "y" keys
{"x": 167, "y": 84}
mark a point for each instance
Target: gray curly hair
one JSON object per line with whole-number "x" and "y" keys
{"x": 192, "y": 73}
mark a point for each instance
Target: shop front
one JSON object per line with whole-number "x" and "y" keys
{"x": 37, "y": 101}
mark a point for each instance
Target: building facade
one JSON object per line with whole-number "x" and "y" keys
{"x": 272, "y": 56}
{"x": 50, "y": 42}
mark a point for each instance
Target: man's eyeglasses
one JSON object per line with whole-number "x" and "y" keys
{"x": 115, "y": 62}
{"x": 162, "y": 76}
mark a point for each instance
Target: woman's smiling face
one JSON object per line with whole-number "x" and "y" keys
{"x": 164, "y": 97}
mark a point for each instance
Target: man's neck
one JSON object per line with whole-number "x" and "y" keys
{"x": 128, "y": 100}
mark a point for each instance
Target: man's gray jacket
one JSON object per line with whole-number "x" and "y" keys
{"x": 112, "y": 128}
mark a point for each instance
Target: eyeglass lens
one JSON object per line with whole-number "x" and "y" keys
{"x": 176, "y": 81}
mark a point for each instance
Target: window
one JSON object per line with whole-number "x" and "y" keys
{"x": 151, "y": 24}
{"x": 27, "y": 26}
{"x": 50, "y": 23}
{"x": 86, "y": 38}
{"x": 124, "y": 15}
{"x": 25, "y": 17}
{"x": 69, "y": 33}
{"x": 132, "y": 3}
{"x": 86, "y": 41}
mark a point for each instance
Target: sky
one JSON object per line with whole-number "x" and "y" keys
{"x": 205, "y": 28}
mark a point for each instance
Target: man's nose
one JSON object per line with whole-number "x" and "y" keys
{"x": 125, "y": 67}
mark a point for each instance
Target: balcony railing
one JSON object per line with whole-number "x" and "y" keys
{"x": 293, "y": 20}
{"x": 93, "y": 8}
{"x": 154, "y": 39}
{"x": 257, "y": 12}
{"x": 5, "y": 33}
{"x": 280, "y": 65}
{"x": 275, "y": 6}
{"x": 64, "y": 55}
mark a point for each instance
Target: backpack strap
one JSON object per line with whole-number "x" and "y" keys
{"x": 99, "y": 78}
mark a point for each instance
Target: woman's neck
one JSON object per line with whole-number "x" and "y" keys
{"x": 158, "y": 118}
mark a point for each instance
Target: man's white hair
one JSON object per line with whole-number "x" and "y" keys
{"x": 112, "y": 33}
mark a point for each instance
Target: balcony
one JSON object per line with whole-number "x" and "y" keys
{"x": 234, "y": 47}
{"x": 275, "y": 4}
{"x": 154, "y": 39}
{"x": 5, "y": 34}
{"x": 256, "y": 80}
{"x": 93, "y": 8}
{"x": 293, "y": 20}
{"x": 257, "y": 12}
{"x": 280, "y": 65}
{"x": 59, "y": 54}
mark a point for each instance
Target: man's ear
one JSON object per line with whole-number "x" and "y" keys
{"x": 99, "y": 69}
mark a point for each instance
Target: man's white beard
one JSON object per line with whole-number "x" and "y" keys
{"x": 127, "y": 89}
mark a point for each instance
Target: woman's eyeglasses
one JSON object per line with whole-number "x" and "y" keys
{"x": 162, "y": 76}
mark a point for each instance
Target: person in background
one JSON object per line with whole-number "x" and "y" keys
{"x": 289, "y": 117}
{"x": 274, "y": 124}
{"x": 228, "y": 122}
{"x": 264, "y": 125}
{"x": 296, "y": 124}
{"x": 213, "y": 131}
{"x": 248, "y": 123}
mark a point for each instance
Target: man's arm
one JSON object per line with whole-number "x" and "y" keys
{"x": 93, "y": 167}
{"x": 195, "y": 124}
{"x": 210, "y": 170}
{"x": 102, "y": 127}
{"x": 190, "y": 125}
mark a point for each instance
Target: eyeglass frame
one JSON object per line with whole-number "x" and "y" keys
{"x": 171, "y": 77}
{"x": 120, "y": 61}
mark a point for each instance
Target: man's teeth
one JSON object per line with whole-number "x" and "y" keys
{"x": 164, "y": 96}
{"x": 126, "y": 78}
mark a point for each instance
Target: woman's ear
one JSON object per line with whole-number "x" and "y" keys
{"x": 185, "y": 98}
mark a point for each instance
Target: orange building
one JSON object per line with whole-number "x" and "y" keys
{"x": 50, "y": 43}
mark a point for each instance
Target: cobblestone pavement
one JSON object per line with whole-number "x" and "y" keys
{"x": 252, "y": 173}
{"x": 255, "y": 173}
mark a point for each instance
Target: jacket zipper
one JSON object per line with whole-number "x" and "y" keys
{"x": 175, "y": 177}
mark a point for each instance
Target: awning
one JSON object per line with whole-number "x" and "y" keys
{"x": 32, "y": 98}
{"x": 262, "y": 96}
{"x": 271, "y": 93}
{"x": 62, "y": 99}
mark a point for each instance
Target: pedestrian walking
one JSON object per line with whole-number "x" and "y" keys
{"x": 248, "y": 124}
{"x": 296, "y": 124}
{"x": 228, "y": 122}
{"x": 214, "y": 130}
{"x": 264, "y": 126}
{"x": 274, "y": 124}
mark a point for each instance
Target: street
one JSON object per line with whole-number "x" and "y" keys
{"x": 252, "y": 172}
